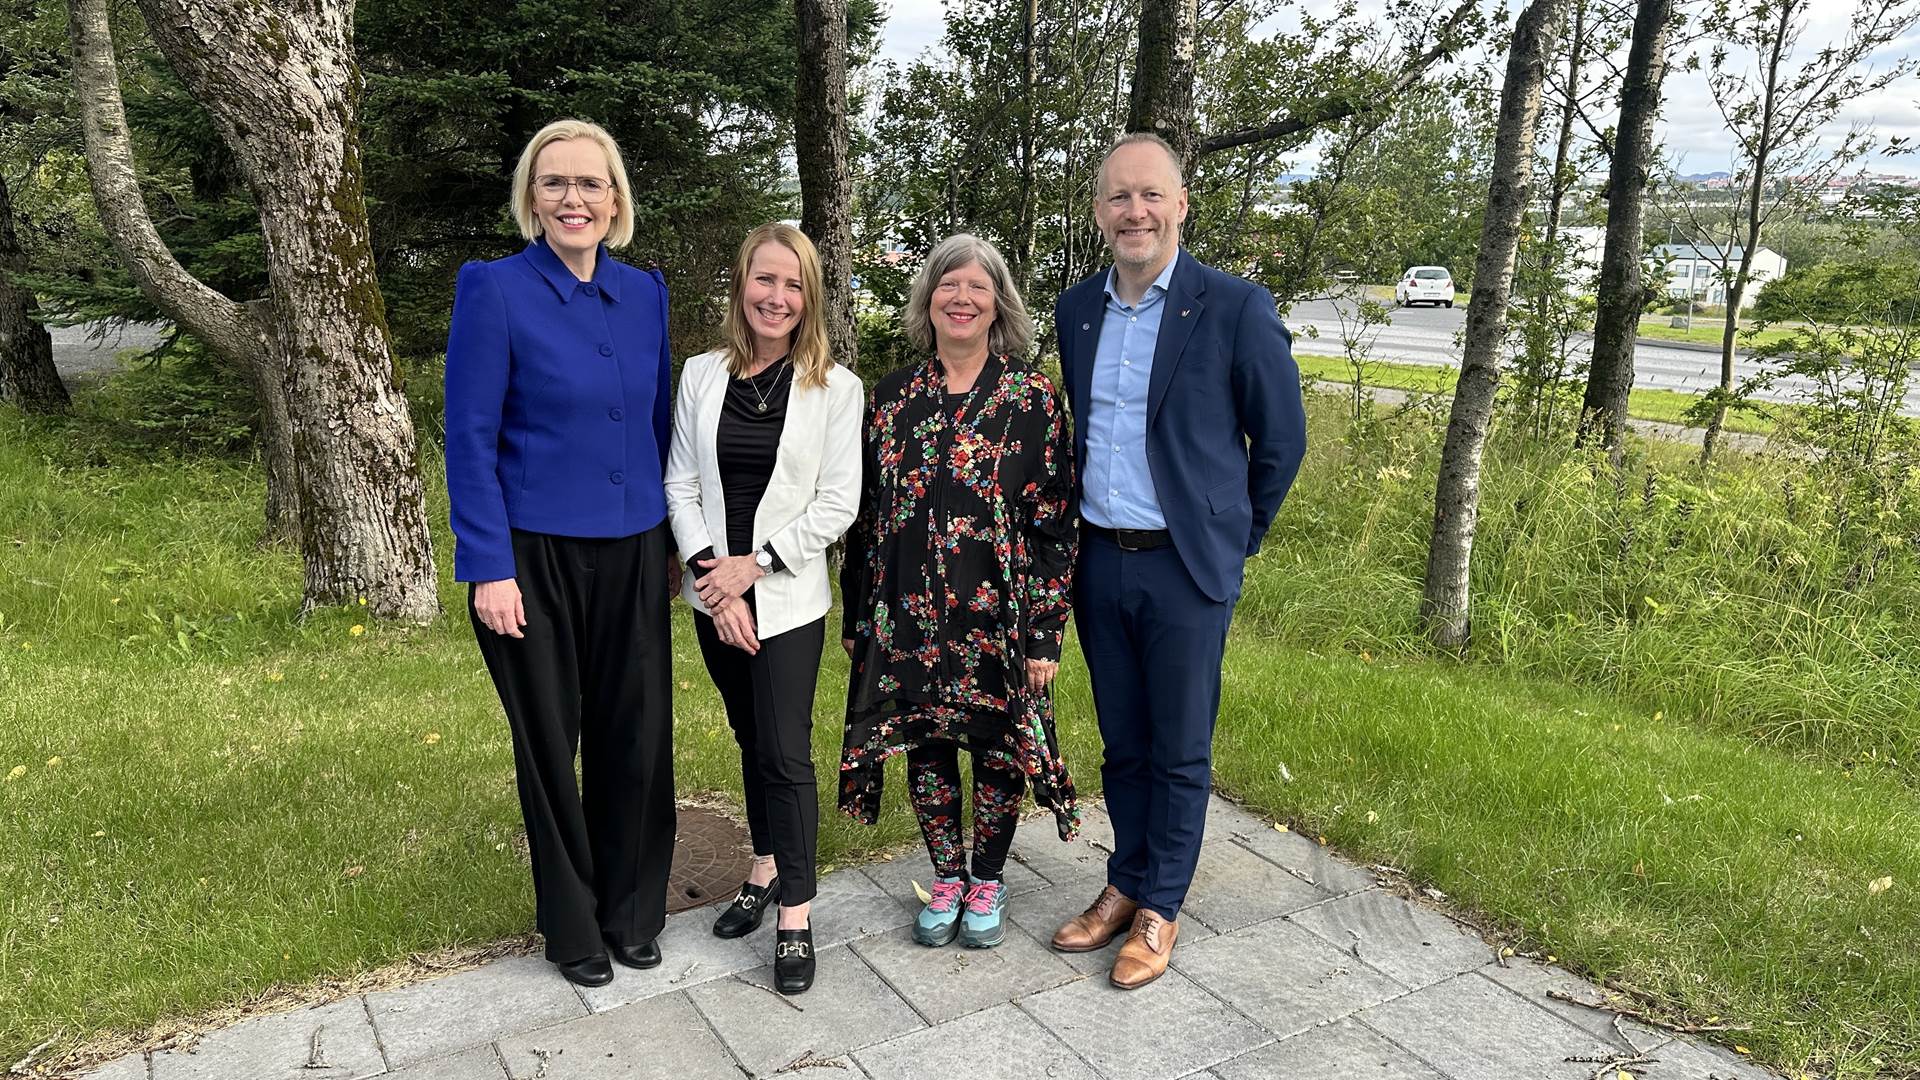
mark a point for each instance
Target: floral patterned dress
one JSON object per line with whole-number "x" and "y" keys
{"x": 958, "y": 570}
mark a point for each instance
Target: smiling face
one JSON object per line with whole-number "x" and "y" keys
{"x": 962, "y": 310}
{"x": 572, "y": 225}
{"x": 773, "y": 297}
{"x": 1141, "y": 206}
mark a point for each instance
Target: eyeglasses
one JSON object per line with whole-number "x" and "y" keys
{"x": 553, "y": 188}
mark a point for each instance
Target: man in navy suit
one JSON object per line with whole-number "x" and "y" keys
{"x": 1189, "y": 428}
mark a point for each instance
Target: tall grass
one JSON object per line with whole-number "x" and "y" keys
{"x": 1731, "y": 599}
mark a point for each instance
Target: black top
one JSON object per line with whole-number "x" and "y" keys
{"x": 752, "y": 416}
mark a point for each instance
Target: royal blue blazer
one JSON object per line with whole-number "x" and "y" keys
{"x": 1226, "y": 427}
{"x": 559, "y": 404}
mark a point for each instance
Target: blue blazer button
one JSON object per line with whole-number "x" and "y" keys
{"x": 606, "y": 350}
{"x": 614, "y": 414}
{"x": 618, "y": 478}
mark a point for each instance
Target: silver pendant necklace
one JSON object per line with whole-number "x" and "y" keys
{"x": 753, "y": 382}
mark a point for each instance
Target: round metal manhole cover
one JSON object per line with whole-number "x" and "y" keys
{"x": 710, "y": 857}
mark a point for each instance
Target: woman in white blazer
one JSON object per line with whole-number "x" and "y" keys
{"x": 763, "y": 475}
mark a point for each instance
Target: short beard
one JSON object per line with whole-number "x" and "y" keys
{"x": 1153, "y": 256}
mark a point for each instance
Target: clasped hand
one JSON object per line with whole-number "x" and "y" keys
{"x": 727, "y": 580}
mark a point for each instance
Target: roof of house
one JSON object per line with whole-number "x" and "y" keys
{"x": 1704, "y": 252}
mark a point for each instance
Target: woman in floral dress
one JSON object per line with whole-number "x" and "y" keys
{"x": 957, "y": 582}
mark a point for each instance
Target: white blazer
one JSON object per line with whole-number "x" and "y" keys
{"x": 811, "y": 497}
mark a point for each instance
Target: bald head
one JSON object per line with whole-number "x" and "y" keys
{"x": 1134, "y": 142}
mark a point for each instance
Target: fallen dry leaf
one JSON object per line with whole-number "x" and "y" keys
{"x": 1879, "y": 885}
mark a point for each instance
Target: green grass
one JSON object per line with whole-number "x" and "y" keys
{"x": 241, "y": 802}
{"x": 1664, "y": 406}
{"x": 1704, "y": 875}
{"x": 1710, "y": 332}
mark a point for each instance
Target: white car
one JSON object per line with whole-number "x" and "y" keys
{"x": 1424, "y": 285}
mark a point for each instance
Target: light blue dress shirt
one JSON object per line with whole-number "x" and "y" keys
{"x": 1117, "y": 486}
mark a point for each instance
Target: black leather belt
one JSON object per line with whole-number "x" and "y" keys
{"x": 1132, "y": 539}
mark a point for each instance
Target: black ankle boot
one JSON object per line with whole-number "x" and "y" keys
{"x": 743, "y": 916}
{"x": 793, "y": 960}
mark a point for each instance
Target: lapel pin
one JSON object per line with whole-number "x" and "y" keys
{"x": 1185, "y": 311}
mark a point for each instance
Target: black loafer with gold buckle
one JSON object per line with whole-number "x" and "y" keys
{"x": 793, "y": 960}
{"x": 743, "y": 916}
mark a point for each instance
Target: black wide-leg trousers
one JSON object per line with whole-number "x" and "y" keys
{"x": 593, "y": 677}
{"x": 769, "y": 700}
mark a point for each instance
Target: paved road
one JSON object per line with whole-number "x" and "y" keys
{"x": 1291, "y": 962}
{"x": 1427, "y": 335}
{"x": 90, "y": 349}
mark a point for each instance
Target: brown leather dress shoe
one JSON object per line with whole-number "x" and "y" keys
{"x": 1149, "y": 946}
{"x": 1094, "y": 927}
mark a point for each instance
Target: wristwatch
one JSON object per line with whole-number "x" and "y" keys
{"x": 764, "y": 560}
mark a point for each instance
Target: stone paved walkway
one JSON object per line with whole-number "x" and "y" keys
{"x": 1291, "y": 964}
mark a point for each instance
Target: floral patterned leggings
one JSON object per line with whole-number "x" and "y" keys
{"x": 933, "y": 783}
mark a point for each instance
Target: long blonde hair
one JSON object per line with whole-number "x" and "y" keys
{"x": 811, "y": 354}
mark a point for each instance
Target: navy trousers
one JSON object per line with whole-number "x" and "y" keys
{"x": 1153, "y": 643}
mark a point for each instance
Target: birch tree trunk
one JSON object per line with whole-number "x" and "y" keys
{"x": 284, "y": 92}
{"x": 27, "y": 375}
{"x": 1447, "y": 604}
{"x": 820, "y": 138}
{"x": 1162, "y": 99}
{"x": 1622, "y": 290}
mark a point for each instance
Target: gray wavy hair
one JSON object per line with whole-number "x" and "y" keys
{"x": 1012, "y": 331}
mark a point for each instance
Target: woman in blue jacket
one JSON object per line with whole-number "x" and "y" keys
{"x": 558, "y": 380}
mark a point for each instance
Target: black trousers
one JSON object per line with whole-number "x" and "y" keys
{"x": 769, "y": 700}
{"x": 593, "y": 676}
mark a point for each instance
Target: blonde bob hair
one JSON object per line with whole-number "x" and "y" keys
{"x": 807, "y": 345}
{"x": 1012, "y": 331}
{"x": 620, "y": 231}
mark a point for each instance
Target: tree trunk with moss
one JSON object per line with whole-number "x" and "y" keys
{"x": 820, "y": 139}
{"x": 284, "y": 92}
{"x": 27, "y": 375}
{"x": 1163, "y": 71}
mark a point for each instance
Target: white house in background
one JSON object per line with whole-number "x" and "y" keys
{"x": 1701, "y": 269}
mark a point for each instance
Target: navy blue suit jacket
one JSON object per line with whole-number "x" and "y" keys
{"x": 1226, "y": 427}
{"x": 559, "y": 406}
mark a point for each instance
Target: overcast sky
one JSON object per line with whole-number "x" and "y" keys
{"x": 1690, "y": 119}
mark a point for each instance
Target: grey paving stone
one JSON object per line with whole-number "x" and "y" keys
{"x": 849, "y": 906}
{"x": 1344, "y": 1050}
{"x": 1233, "y": 887}
{"x": 1473, "y": 1029}
{"x": 1416, "y": 946}
{"x": 1001, "y": 1043}
{"x": 847, "y": 1009}
{"x": 1039, "y": 847}
{"x": 1283, "y": 976}
{"x": 1532, "y": 981}
{"x": 331, "y": 1042}
{"x": 689, "y": 956}
{"x": 1166, "y": 1029}
{"x": 1314, "y": 863}
{"x": 478, "y": 1063}
{"x": 1041, "y": 913}
{"x": 1684, "y": 1059}
{"x": 663, "y": 1037}
{"x": 131, "y": 1067}
{"x": 896, "y": 877}
{"x": 1226, "y": 817}
{"x": 945, "y": 983}
{"x": 433, "y": 1019}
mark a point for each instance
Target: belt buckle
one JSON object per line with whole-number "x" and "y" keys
{"x": 1120, "y": 537}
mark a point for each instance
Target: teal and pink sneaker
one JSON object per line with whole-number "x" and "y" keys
{"x": 983, "y": 925}
{"x": 939, "y": 921}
